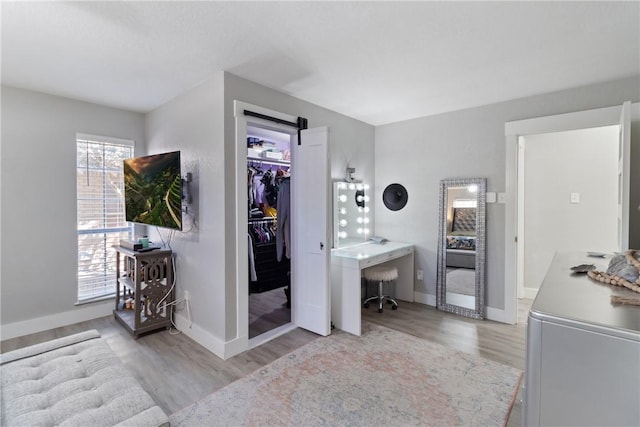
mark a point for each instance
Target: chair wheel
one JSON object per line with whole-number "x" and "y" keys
{"x": 395, "y": 307}
{"x": 366, "y": 305}
{"x": 379, "y": 310}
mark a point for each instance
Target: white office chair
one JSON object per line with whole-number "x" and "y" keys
{"x": 381, "y": 275}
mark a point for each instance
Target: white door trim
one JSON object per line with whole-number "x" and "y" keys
{"x": 513, "y": 130}
{"x": 241, "y": 341}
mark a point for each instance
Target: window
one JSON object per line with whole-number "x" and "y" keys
{"x": 101, "y": 214}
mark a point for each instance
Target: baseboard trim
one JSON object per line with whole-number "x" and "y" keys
{"x": 494, "y": 314}
{"x": 424, "y": 298}
{"x": 212, "y": 343}
{"x": 530, "y": 293}
{"x": 497, "y": 315}
{"x": 44, "y": 323}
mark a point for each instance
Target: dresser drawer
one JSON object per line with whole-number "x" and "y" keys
{"x": 379, "y": 259}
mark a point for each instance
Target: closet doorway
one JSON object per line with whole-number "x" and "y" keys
{"x": 309, "y": 232}
{"x": 269, "y": 229}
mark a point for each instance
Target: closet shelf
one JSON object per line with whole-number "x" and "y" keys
{"x": 264, "y": 218}
{"x": 269, "y": 161}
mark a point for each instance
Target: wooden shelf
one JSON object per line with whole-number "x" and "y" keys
{"x": 149, "y": 275}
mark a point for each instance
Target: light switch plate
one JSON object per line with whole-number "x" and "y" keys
{"x": 491, "y": 197}
{"x": 575, "y": 197}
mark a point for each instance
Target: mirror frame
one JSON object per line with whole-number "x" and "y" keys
{"x": 352, "y": 202}
{"x": 441, "y": 286}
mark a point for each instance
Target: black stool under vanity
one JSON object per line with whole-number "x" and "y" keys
{"x": 381, "y": 275}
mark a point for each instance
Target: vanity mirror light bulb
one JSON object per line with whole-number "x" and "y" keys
{"x": 359, "y": 187}
{"x": 343, "y": 223}
{"x": 366, "y": 231}
{"x": 360, "y": 198}
{"x": 343, "y": 211}
{"x": 366, "y": 220}
{"x": 366, "y": 209}
{"x": 342, "y": 234}
{"x": 366, "y": 186}
{"x": 343, "y": 198}
{"x": 360, "y": 209}
{"x": 366, "y": 198}
{"x": 360, "y": 230}
{"x": 359, "y": 219}
{"x": 352, "y": 186}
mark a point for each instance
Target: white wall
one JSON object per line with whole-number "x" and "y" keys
{"x": 193, "y": 123}
{"x": 201, "y": 125}
{"x": 557, "y": 164}
{"x": 419, "y": 153}
{"x": 39, "y": 240}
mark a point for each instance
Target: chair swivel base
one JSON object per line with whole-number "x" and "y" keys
{"x": 380, "y": 300}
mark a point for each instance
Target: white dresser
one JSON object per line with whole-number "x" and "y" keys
{"x": 583, "y": 352}
{"x": 346, "y": 276}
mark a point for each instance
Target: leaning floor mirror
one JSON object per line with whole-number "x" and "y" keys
{"x": 461, "y": 244}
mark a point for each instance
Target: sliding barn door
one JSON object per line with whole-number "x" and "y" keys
{"x": 310, "y": 290}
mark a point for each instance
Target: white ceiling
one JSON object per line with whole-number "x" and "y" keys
{"x": 379, "y": 62}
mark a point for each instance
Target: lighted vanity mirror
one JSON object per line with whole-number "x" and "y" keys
{"x": 351, "y": 222}
{"x": 461, "y": 244}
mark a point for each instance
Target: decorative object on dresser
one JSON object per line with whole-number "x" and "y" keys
{"x": 75, "y": 380}
{"x": 461, "y": 244}
{"x": 623, "y": 270}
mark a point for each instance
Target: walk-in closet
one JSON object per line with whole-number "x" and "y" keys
{"x": 269, "y": 229}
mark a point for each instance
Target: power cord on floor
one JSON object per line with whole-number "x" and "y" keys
{"x": 173, "y": 330}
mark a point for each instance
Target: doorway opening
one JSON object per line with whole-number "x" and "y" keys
{"x": 514, "y": 131}
{"x": 305, "y": 246}
{"x": 269, "y": 247}
{"x": 567, "y": 198}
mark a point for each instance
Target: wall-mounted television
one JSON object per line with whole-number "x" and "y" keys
{"x": 153, "y": 190}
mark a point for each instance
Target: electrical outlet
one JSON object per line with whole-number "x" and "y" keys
{"x": 186, "y": 295}
{"x": 420, "y": 275}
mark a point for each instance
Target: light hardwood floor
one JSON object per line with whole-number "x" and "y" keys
{"x": 176, "y": 371}
{"x": 267, "y": 311}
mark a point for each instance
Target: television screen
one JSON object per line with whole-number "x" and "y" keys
{"x": 153, "y": 190}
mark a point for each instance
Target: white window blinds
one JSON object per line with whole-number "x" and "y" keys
{"x": 101, "y": 214}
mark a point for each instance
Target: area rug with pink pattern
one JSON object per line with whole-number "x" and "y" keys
{"x": 383, "y": 377}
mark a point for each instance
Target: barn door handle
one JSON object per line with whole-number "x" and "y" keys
{"x": 321, "y": 246}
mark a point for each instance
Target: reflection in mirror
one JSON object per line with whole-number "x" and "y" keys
{"x": 351, "y": 223}
{"x": 461, "y": 243}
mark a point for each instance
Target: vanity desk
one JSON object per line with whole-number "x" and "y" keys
{"x": 346, "y": 278}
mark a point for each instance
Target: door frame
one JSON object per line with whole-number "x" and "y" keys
{"x": 242, "y": 122}
{"x": 513, "y": 130}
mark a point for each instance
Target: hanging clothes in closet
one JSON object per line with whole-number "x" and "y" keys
{"x": 283, "y": 234}
{"x": 268, "y": 204}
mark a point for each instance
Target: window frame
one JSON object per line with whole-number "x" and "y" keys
{"x": 108, "y": 276}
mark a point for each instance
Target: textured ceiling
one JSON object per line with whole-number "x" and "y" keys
{"x": 379, "y": 62}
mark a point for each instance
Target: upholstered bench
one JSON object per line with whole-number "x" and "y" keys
{"x": 73, "y": 381}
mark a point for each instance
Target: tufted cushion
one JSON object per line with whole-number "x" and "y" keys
{"x": 73, "y": 381}
{"x": 381, "y": 274}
